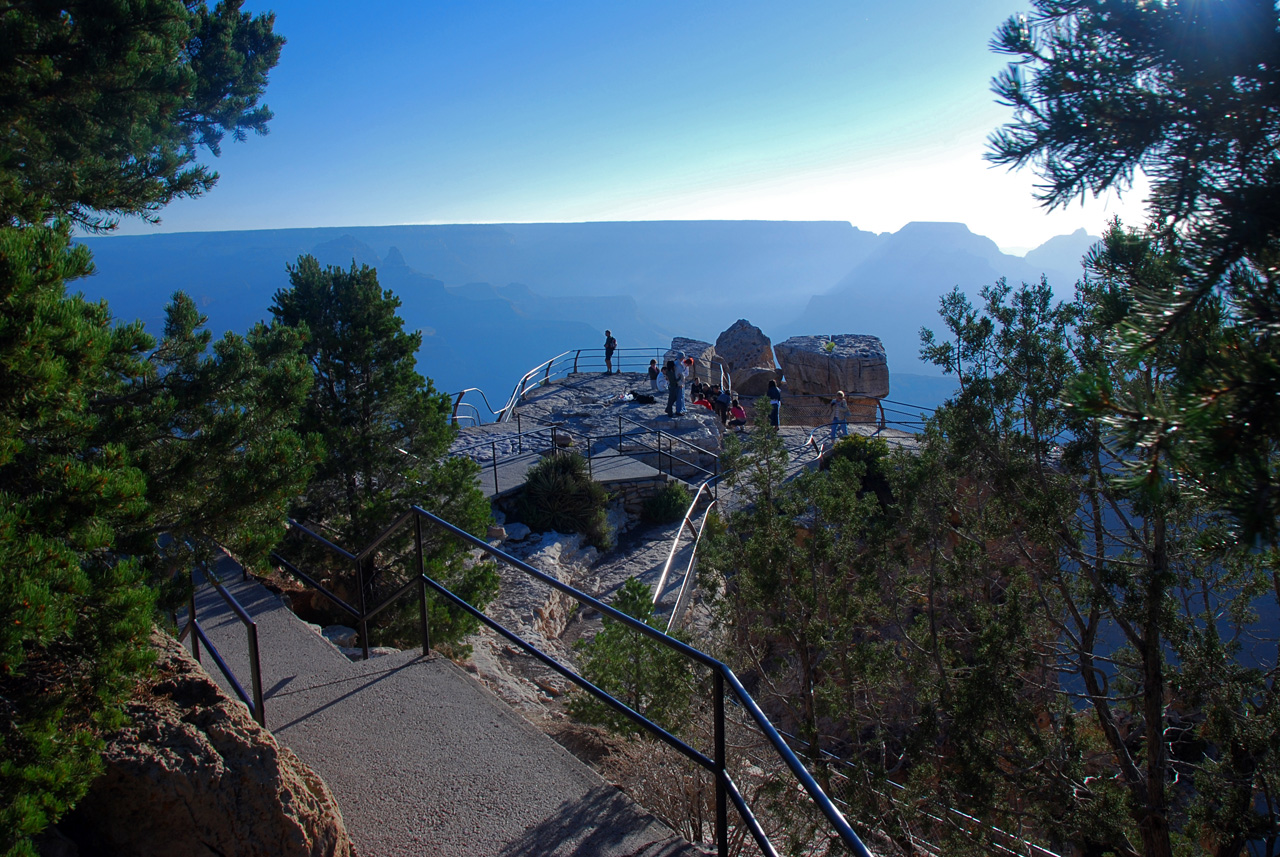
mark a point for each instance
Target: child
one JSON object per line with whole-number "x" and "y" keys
{"x": 839, "y": 416}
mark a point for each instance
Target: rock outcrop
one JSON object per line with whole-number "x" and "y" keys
{"x": 193, "y": 775}
{"x": 748, "y": 355}
{"x": 744, "y": 346}
{"x": 705, "y": 359}
{"x": 854, "y": 363}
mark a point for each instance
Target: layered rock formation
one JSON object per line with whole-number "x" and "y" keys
{"x": 748, "y": 354}
{"x": 193, "y": 775}
{"x": 853, "y": 362}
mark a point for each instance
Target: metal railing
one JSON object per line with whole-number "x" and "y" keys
{"x": 579, "y": 360}
{"x": 686, "y": 589}
{"x": 360, "y": 562}
{"x": 254, "y": 698}
{"x": 545, "y": 437}
{"x": 724, "y": 681}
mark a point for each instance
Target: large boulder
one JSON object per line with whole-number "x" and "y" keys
{"x": 706, "y": 361}
{"x": 192, "y": 775}
{"x": 754, "y": 381}
{"x": 853, "y": 362}
{"x": 744, "y": 346}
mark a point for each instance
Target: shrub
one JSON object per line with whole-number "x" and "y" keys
{"x": 873, "y": 454}
{"x": 667, "y": 505}
{"x": 650, "y": 678}
{"x": 559, "y": 495}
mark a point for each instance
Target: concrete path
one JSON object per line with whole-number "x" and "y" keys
{"x": 422, "y": 758}
{"x": 509, "y": 473}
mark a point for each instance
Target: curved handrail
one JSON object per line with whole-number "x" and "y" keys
{"x": 457, "y": 403}
{"x": 518, "y": 391}
{"x": 682, "y": 597}
{"x": 675, "y": 542}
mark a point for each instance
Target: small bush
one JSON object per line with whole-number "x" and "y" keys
{"x": 559, "y": 495}
{"x": 872, "y": 453}
{"x": 667, "y": 505}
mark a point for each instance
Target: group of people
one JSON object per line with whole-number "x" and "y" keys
{"x": 674, "y": 376}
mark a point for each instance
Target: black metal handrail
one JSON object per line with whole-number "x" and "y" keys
{"x": 723, "y": 677}
{"x": 253, "y": 700}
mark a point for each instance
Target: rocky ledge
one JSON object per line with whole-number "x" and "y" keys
{"x": 192, "y": 775}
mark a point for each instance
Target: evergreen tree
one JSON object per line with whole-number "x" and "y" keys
{"x": 650, "y": 678}
{"x": 1186, "y": 92}
{"x": 385, "y": 430}
{"x": 111, "y": 445}
{"x": 1115, "y": 712}
{"x": 105, "y": 105}
{"x": 108, "y": 443}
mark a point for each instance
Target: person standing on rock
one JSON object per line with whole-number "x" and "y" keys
{"x": 775, "y": 404}
{"x": 673, "y": 388}
{"x": 839, "y": 416}
{"x": 654, "y": 372}
{"x": 610, "y": 345}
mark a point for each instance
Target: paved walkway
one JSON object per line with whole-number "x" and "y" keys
{"x": 422, "y": 758}
{"x": 508, "y": 474}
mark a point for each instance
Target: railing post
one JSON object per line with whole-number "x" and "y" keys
{"x": 546, "y": 378}
{"x": 722, "y": 809}
{"x": 255, "y": 674}
{"x": 422, "y": 586}
{"x": 576, "y": 354}
{"x": 191, "y": 621}
{"x": 364, "y": 610}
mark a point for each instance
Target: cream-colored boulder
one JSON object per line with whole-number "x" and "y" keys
{"x": 853, "y": 362}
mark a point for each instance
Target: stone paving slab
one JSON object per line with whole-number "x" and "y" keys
{"x": 423, "y": 759}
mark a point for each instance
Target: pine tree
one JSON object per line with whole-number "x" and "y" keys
{"x": 385, "y": 431}
{"x": 108, "y": 443}
{"x": 650, "y": 678}
{"x": 105, "y": 105}
{"x": 1187, "y": 93}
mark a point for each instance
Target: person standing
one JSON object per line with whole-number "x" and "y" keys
{"x": 654, "y": 372}
{"x": 775, "y": 404}
{"x": 610, "y": 345}
{"x": 673, "y": 388}
{"x": 839, "y": 416}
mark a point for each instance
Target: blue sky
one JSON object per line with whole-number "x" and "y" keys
{"x": 479, "y": 112}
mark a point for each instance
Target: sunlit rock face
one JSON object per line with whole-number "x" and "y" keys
{"x": 705, "y": 359}
{"x": 192, "y": 775}
{"x": 852, "y": 362}
{"x": 744, "y": 346}
{"x": 748, "y": 354}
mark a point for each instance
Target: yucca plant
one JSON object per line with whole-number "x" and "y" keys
{"x": 559, "y": 495}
